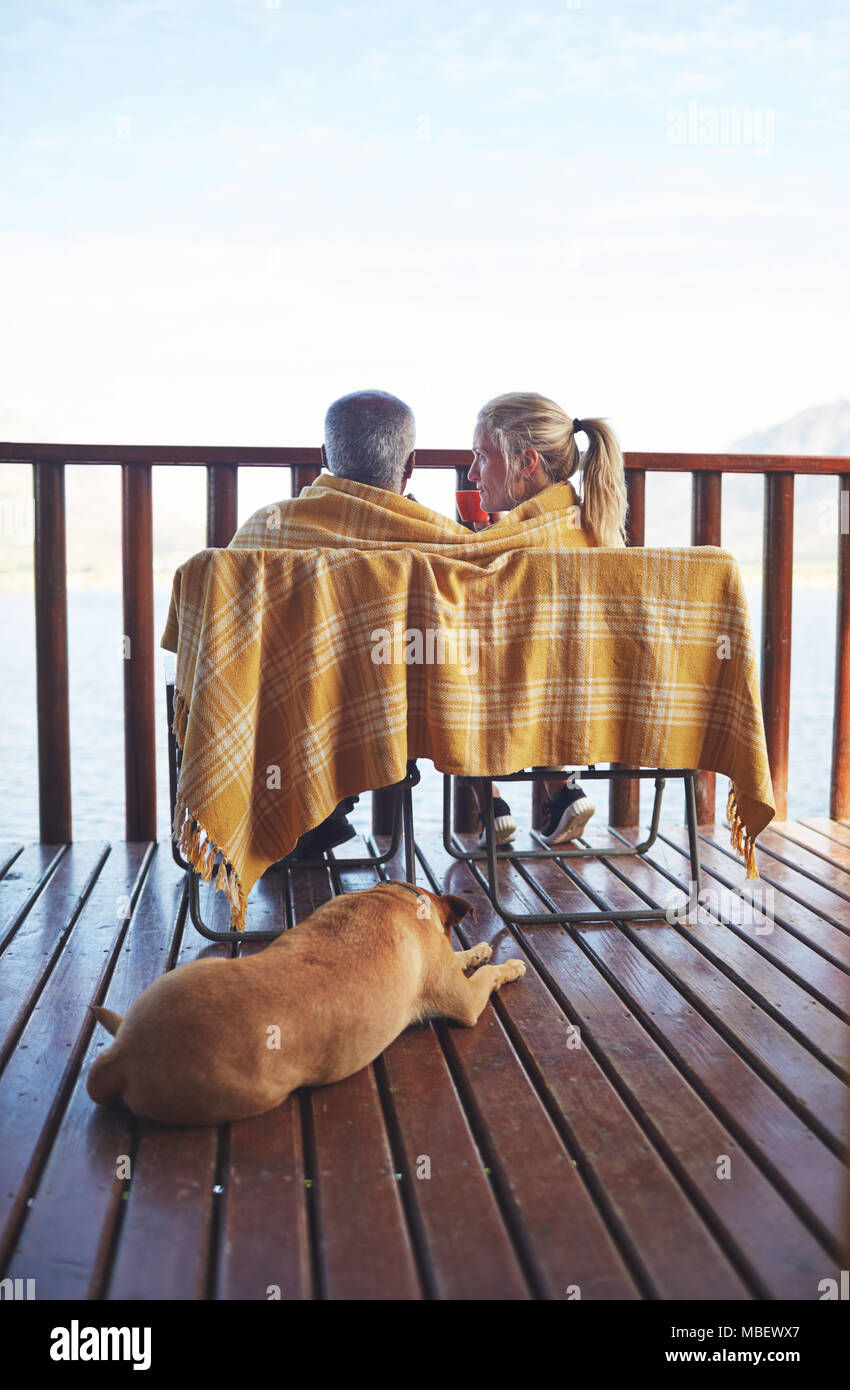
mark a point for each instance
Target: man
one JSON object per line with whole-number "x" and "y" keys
{"x": 369, "y": 439}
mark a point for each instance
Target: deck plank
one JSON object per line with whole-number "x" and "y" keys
{"x": 470, "y": 1253}
{"x": 775, "y": 1247}
{"x": 80, "y": 1178}
{"x": 467, "y": 1251}
{"x": 794, "y": 924}
{"x": 819, "y": 840}
{"x": 37, "y": 944}
{"x": 780, "y": 863}
{"x": 266, "y": 1243}
{"x": 806, "y": 992}
{"x": 614, "y": 1155}
{"x": 837, "y": 830}
{"x": 566, "y": 1242}
{"x": 366, "y": 1253}
{"x": 366, "y": 1247}
{"x": 265, "y": 1250}
{"x": 807, "y": 1084}
{"x": 23, "y": 880}
{"x": 9, "y": 852}
{"x": 739, "y": 1092}
{"x": 551, "y": 1166}
{"x": 810, "y": 865}
{"x": 167, "y": 1239}
{"x": 45, "y": 1065}
{"x": 166, "y": 1234}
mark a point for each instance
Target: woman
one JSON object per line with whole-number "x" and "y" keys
{"x": 522, "y": 444}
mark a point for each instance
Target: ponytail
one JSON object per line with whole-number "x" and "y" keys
{"x": 604, "y": 500}
{"x": 524, "y": 420}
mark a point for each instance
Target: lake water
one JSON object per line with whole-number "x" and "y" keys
{"x": 97, "y": 708}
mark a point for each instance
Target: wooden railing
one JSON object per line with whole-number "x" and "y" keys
{"x": 48, "y": 464}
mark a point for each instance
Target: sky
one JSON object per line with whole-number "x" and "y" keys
{"x": 216, "y": 217}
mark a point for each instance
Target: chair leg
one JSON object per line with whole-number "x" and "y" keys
{"x": 693, "y": 840}
{"x": 209, "y": 932}
{"x": 447, "y": 819}
{"x": 402, "y": 820}
{"x": 409, "y": 841}
{"x": 491, "y": 887}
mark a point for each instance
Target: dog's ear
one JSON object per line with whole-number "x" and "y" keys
{"x": 458, "y": 908}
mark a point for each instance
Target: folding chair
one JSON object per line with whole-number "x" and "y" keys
{"x": 402, "y": 824}
{"x": 491, "y": 854}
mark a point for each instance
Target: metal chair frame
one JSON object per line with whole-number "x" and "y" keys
{"x": 402, "y": 825}
{"x": 492, "y": 855}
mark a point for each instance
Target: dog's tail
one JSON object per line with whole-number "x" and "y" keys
{"x": 106, "y": 1080}
{"x": 109, "y": 1019}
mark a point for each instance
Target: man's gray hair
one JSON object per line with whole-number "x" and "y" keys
{"x": 369, "y": 436}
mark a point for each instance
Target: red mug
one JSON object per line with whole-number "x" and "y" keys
{"x": 469, "y": 506}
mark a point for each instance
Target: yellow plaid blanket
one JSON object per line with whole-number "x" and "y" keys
{"x": 340, "y": 514}
{"x": 306, "y": 675}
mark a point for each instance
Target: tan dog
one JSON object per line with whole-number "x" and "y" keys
{"x": 219, "y": 1040}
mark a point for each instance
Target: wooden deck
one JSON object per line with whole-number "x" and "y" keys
{"x": 555, "y": 1169}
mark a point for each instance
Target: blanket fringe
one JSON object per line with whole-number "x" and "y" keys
{"x": 199, "y": 850}
{"x": 741, "y": 840}
{"x": 194, "y": 843}
{"x": 206, "y": 860}
{"x": 189, "y": 834}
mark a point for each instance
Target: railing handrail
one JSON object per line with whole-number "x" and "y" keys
{"x": 223, "y": 462}
{"x": 262, "y": 456}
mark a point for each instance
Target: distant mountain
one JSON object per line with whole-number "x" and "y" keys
{"x": 821, "y": 430}
{"x": 824, "y": 429}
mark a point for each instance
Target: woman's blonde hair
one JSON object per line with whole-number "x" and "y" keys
{"x": 523, "y": 420}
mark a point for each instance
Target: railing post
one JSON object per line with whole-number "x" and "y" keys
{"x": 624, "y": 793}
{"x": 776, "y": 628}
{"x": 839, "y": 792}
{"x": 222, "y": 507}
{"x": 706, "y": 499}
{"x": 464, "y": 807}
{"x": 138, "y": 645}
{"x": 383, "y": 805}
{"x": 303, "y": 475}
{"x": 539, "y": 797}
{"x": 51, "y": 654}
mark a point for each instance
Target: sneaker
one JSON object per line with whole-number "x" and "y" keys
{"x": 503, "y": 824}
{"x": 565, "y": 815}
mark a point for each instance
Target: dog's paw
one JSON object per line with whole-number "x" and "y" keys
{"x": 512, "y": 970}
{"x": 480, "y": 953}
